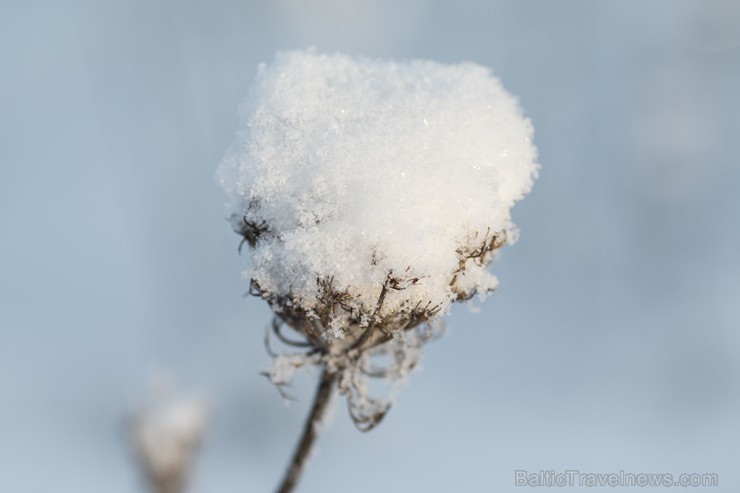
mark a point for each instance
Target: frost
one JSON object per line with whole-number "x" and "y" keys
{"x": 284, "y": 366}
{"x": 351, "y": 174}
{"x": 392, "y": 362}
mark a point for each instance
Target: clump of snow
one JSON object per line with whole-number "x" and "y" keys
{"x": 372, "y": 191}
{"x": 166, "y": 430}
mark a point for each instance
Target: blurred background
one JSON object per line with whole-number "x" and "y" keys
{"x": 613, "y": 342}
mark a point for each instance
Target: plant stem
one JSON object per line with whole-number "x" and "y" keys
{"x": 310, "y": 431}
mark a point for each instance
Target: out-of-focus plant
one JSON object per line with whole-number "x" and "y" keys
{"x": 165, "y": 431}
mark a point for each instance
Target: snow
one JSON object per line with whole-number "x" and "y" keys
{"x": 375, "y": 189}
{"x": 166, "y": 431}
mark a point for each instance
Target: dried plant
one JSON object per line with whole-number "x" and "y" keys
{"x": 373, "y": 195}
{"x": 165, "y": 432}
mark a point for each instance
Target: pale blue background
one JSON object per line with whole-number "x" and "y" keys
{"x": 612, "y": 344}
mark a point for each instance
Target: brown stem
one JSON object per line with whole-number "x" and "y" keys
{"x": 369, "y": 331}
{"x": 310, "y": 431}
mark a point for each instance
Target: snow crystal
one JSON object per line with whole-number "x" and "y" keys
{"x": 375, "y": 190}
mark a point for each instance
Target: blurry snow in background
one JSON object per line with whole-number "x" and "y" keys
{"x": 166, "y": 430}
{"x": 612, "y": 343}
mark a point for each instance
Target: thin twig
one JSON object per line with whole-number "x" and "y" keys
{"x": 369, "y": 330}
{"x": 310, "y": 431}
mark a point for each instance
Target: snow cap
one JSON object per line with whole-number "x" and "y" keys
{"x": 375, "y": 189}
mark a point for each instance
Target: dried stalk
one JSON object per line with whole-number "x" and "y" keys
{"x": 315, "y": 418}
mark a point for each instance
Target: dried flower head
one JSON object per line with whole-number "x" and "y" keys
{"x": 373, "y": 195}
{"x": 166, "y": 430}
